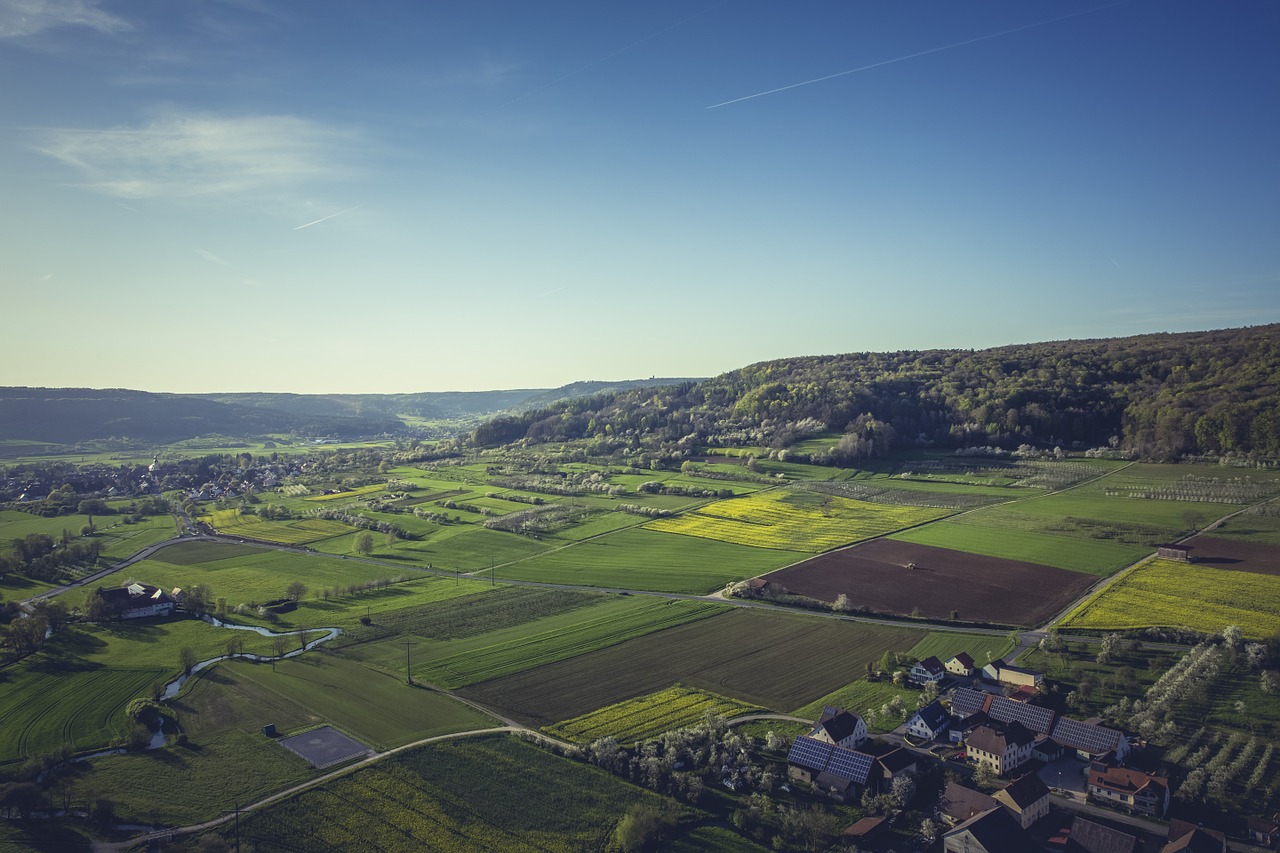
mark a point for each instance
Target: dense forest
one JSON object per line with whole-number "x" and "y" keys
{"x": 1161, "y": 396}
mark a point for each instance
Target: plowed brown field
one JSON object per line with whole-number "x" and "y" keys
{"x": 982, "y": 589}
{"x": 1260, "y": 557}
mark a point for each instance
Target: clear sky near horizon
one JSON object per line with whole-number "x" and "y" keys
{"x": 240, "y": 195}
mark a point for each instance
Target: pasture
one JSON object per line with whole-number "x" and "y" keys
{"x": 451, "y": 796}
{"x": 44, "y": 708}
{"x": 794, "y": 520}
{"x": 866, "y": 698}
{"x": 649, "y": 716}
{"x": 874, "y": 575}
{"x": 180, "y": 785}
{"x": 299, "y": 531}
{"x": 378, "y": 709}
{"x": 118, "y": 539}
{"x": 640, "y": 558}
{"x": 771, "y": 659}
{"x": 1171, "y": 594}
{"x": 1253, "y": 526}
{"x": 945, "y": 645}
{"x": 968, "y": 533}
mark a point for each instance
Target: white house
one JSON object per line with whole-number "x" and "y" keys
{"x": 929, "y": 722}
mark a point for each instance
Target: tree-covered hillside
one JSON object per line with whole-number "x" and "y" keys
{"x": 1160, "y": 396}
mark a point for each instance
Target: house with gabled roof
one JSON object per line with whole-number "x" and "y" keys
{"x": 962, "y": 665}
{"x": 840, "y": 727}
{"x": 1002, "y": 747}
{"x": 1188, "y": 838}
{"x": 1026, "y": 798}
{"x": 929, "y": 722}
{"x": 1125, "y": 787}
{"x": 991, "y": 831}
{"x": 1265, "y": 830}
{"x": 1085, "y": 836}
{"x": 837, "y": 771}
{"x": 958, "y": 803}
{"x": 927, "y": 671}
{"x": 136, "y": 601}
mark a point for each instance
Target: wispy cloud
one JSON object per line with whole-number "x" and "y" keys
{"x": 28, "y": 17}
{"x": 202, "y": 155}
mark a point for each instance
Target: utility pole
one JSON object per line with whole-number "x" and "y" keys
{"x": 408, "y": 669}
{"x": 237, "y": 826}
{"x": 492, "y": 581}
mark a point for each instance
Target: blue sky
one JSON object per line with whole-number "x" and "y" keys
{"x": 226, "y": 195}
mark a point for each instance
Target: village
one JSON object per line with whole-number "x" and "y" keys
{"x": 1019, "y": 776}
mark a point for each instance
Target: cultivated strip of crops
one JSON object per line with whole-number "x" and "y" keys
{"x": 1167, "y": 593}
{"x": 349, "y": 493}
{"x": 795, "y": 521}
{"x": 557, "y": 644}
{"x": 649, "y": 716}
{"x": 490, "y": 793}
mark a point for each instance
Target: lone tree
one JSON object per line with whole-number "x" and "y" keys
{"x": 364, "y": 544}
{"x": 187, "y": 657}
{"x": 295, "y": 591}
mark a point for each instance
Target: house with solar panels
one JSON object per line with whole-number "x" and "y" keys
{"x": 829, "y": 759}
{"x": 1089, "y": 739}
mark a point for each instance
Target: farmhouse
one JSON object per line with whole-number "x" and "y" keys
{"x": 1143, "y": 793}
{"x": 959, "y": 803}
{"x": 895, "y": 763}
{"x": 992, "y": 831}
{"x": 927, "y": 671}
{"x": 840, "y": 727}
{"x": 136, "y": 601}
{"x": 962, "y": 665}
{"x": 929, "y": 722}
{"x": 1013, "y": 676}
{"x": 837, "y": 771}
{"x": 1003, "y": 748}
{"x": 1026, "y": 798}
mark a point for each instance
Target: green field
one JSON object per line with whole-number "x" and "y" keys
{"x": 794, "y": 520}
{"x": 649, "y": 716}
{"x": 118, "y": 539}
{"x": 862, "y": 697}
{"x": 485, "y": 793}
{"x": 181, "y": 785}
{"x": 373, "y": 707}
{"x": 774, "y": 660}
{"x": 645, "y": 559}
{"x": 945, "y": 645}
{"x": 1252, "y": 527}
{"x": 45, "y": 709}
{"x": 466, "y": 660}
{"x": 1166, "y": 593}
{"x": 300, "y": 531}
{"x": 967, "y": 533}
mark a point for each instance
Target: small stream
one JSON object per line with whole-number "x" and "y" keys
{"x": 171, "y": 689}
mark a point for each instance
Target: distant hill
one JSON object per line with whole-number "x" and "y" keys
{"x": 71, "y": 415}
{"x": 1159, "y": 396}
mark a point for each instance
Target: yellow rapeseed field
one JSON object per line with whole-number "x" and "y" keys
{"x": 795, "y": 521}
{"x": 1171, "y": 594}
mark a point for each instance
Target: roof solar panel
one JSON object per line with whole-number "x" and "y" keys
{"x": 850, "y": 764}
{"x": 810, "y": 753}
{"x": 1085, "y": 737}
{"x": 1039, "y": 720}
{"x": 966, "y": 702}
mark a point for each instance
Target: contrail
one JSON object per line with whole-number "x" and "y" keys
{"x": 919, "y": 53}
{"x": 323, "y": 218}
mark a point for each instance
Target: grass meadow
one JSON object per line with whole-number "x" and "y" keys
{"x": 968, "y": 533}
{"x": 371, "y": 706}
{"x": 644, "y": 559}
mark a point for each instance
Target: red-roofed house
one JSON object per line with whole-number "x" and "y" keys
{"x": 1139, "y": 792}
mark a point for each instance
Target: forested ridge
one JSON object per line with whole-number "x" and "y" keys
{"x": 1159, "y": 396}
